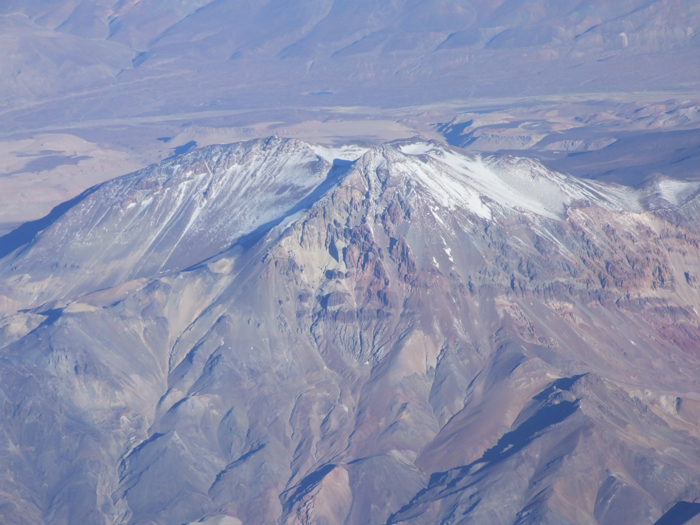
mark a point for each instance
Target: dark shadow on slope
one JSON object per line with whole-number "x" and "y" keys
{"x": 510, "y": 443}
{"x": 516, "y": 440}
{"x": 454, "y": 134}
{"x": 546, "y": 416}
{"x": 254, "y": 450}
{"x": 335, "y": 174}
{"x": 635, "y": 157}
{"x": 51, "y": 316}
{"x": 181, "y": 150}
{"x": 133, "y": 452}
{"x": 29, "y": 230}
{"x": 564, "y": 383}
{"x": 307, "y": 484}
{"x": 49, "y": 162}
{"x": 145, "y": 443}
{"x": 680, "y": 513}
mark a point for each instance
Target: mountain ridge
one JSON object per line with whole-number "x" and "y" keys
{"x": 417, "y": 341}
{"x": 388, "y": 53}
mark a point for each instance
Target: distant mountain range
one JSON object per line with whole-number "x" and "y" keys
{"x": 280, "y": 332}
{"x": 111, "y": 58}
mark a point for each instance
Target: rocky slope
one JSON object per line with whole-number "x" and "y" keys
{"x": 277, "y": 332}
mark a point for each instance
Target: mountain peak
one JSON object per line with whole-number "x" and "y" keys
{"x": 186, "y": 209}
{"x": 488, "y": 185}
{"x": 276, "y": 331}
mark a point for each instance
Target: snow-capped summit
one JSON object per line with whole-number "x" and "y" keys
{"x": 282, "y": 332}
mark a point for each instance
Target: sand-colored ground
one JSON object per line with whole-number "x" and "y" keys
{"x": 38, "y": 173}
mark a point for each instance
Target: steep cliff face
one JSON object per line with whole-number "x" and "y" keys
{"x": 403, "y": 334}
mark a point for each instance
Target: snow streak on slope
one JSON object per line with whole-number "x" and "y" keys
{"x": 173, "y": 215}
{"x": 426, "y": 336}
{"x": 478, "y": 183}
{"x": 181, "y": 211}
{"x": 676, "y": 192}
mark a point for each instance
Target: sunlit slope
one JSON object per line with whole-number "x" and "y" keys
{"x": 402, "y": 333}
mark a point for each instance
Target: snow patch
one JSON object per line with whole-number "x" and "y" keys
{"x": 674, "y": 191}
{"x": 330, "y": 153}
{"x": 482, "y": 185}
{"x": 419, "y": 148}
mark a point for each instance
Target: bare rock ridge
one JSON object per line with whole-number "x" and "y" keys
{"x": 281, "y": 332}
